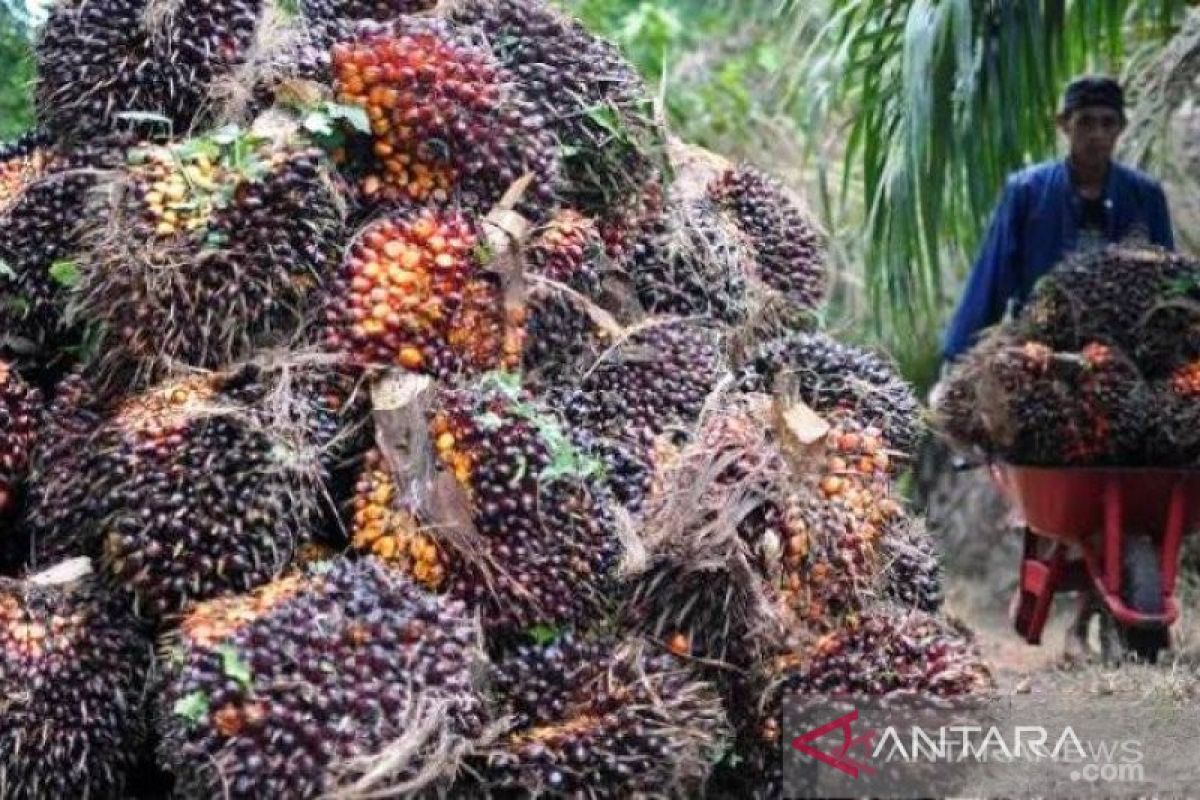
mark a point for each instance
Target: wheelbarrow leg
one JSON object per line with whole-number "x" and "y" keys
{"x": 1040, "y": 578}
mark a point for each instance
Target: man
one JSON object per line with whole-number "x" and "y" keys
{"x": 1084, "y": 201}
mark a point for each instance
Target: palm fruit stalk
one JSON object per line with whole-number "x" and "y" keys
{"x": 207, "y": 249}
{"x": 448, "y": 122}
{"x": 605, "y": 718}
{"x": 829, "y": 375}
{"x": 543, "y": 547}
{"x": 595, "y": 105}
{"x": 1140, "y": 301}
{"x": 788, "y": 252}
{"x": 307, "y": 685}
{"x": 652, "y": 381}
{"x": 415, "y": 291}
{"x": 73, "y": 670}
{"x": 20, "y": 424}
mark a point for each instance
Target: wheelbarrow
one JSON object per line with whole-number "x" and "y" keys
{"x": 1115, "y": 531}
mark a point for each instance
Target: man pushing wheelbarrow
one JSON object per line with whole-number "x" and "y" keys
{"x": 1109, "y": 533}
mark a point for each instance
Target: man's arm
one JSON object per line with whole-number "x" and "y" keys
{"x": 1160, "y": 220}
{"x": 993, "y": 278}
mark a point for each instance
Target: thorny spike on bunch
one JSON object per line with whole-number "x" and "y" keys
{"x": 305, "y": 686}
{"x": 73, "y": 671}
{"x": 596, "y": 106}
{"x": 414, "y": 292}
{"x": 788, "y": 252}
{"x": 603, "y": 718}
{"x": 829, "y": 375}
{"x": 654, "y": 381}
{"x": 447, "y": 120}
{"x": 20, "y": 425}
{"x": 547, "y": 545}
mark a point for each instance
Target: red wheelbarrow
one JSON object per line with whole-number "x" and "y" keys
{"x": 1116, "y": 531}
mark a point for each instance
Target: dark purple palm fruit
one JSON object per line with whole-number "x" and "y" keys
{"x": 20, "y": 425}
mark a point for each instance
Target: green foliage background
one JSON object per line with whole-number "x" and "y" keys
{"x": 16, "y": 76}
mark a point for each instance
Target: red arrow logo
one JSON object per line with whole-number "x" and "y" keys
{"x": 839, "y": 761}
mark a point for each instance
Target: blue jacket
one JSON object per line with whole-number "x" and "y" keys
{"x": 1036, "y": 224}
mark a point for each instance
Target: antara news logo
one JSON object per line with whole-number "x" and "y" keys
{"x": 865, "y": 751}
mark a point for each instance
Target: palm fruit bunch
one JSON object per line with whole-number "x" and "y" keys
{"x": 448, "y": 122}
{"x": 207, "y": 249}
{"x": 886, "y": 652}
{"x": 691, "y": 261}
{"x": 1135, "y": 299}
{"x": 829, "y": 375}
{"x": 41, "y": 214}
{"x": 594, "y": 103}
{"x": 563, "y": 259}
{"x": 722, "y": 531}
{"x": 20, "y": 424}
{"x": 603, "y": 718}
{"x": 73, "y": 670}
{"x": 190, "y": 494}
{"x": 913, "y": 572}
{"x": 1039, "y": 406}
{"x": 378, "y": 10}
{"x": 651, "y": 381}
{"x": 788, "y": 252}
{"x": 1173, "y": 403}
{"x": 414, "y": 291}
{"x": 95, "y": 62}
{"x": 346, "y": 676}
{"x": 544, "y": 546}
{"x": 383, "y": 525}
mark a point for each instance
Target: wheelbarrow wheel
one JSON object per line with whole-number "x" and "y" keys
{"x": 1141, "y": 585}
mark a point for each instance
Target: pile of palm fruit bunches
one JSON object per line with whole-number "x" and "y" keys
{"x": 1100, "y": 368}
{"x": 390, "y": 407}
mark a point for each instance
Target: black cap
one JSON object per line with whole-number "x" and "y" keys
{"x": 1094, "y": 90}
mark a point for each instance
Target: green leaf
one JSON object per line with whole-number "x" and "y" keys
{"x": 19, "y": 304}
{"x": 483, "y": 254}
{"x": 318, "y": 123}
{"x": 290, "y": 8}
{"x": 192, "y": 707}
{"x": 65, "y": 273}
{"x": 227, "y": 135}
{"x": 234, "y": 667}
{"x": 543, "y": 634}
{"x": 355, "y": 116}
{"x": 507, "y": 383}
{"x": 6, "y": 271}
